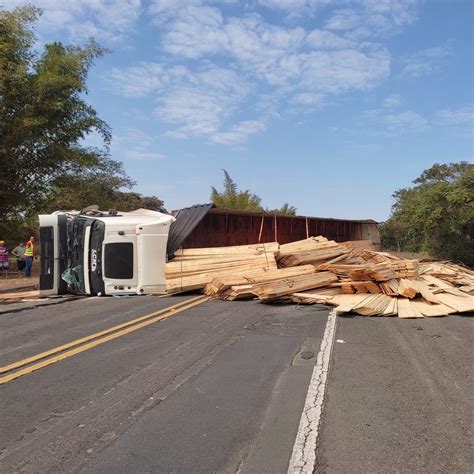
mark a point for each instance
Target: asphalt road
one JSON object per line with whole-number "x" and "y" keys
{"x": 221, "y": 387}
{"x": 400, "y": 396}
{"x": 205, "y": 390}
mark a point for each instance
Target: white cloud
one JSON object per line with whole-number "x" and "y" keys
{"x": 135, "y": 144}
{"x": 343, "y": 70}
{"x": 199, "y": 103}
{"x": 137, "y": 138}
{"x": 197, "y": 32}
{"x": 140, "y": 155}
{"x": 389, "y": 123}
{"x": 463, "y": 115}
{"x": 344, "y": 19}
{"x": 308, "y": 98}
{"x": 195, "y": 103}
{"x": 322, "y": 39}
{"x": 407, "y": 121}
{"x": 277, "y": 55}
{"x": 264, "y": 65}
{"x": 136, "y": 81}
{"x": 392, "y": 101}
{"x": 294, "y": 7}
{"x": 261, "y": 65}
{"x": 284, "y": 4}
{"x": 361, "y": 19}
{"x": 105, "y": 20}
{"x": 423, "y": 62}
{"x": 162, "y": 9}
{"x": 461, "y": 119}
{"x": 239, "y": 132}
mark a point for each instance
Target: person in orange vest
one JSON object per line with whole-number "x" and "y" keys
{"x": 29, "y": 255}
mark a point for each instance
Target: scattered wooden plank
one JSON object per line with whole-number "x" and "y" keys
{"x": 275, "y": 289}
{"x": 313, "y": 256}
{"x": 349, "y": 276}
{"x": 236, "y": 249}
{"x": 425, "y": 291}
{"x": 407, "y": 288}
{"x": 406, "y": 310}
{"x": 347, "y": 302}
{"x": 359, "y": 244}
{"x": 461, "y": 304}
{"x": 222, "y": 283}
{"x": 431, "y": 310}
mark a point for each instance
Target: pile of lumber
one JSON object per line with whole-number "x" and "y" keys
{"x": 242, "y": 286}
{"x": 349, "y": 276}
{"x": 192, "y": 269}
{"x": 312, "y": 250}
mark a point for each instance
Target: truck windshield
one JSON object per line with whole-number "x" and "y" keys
{"x": 74, "y": 273}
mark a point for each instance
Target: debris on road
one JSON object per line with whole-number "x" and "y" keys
{"x": 350, "y": 276}
{"x": 16, "y": 296}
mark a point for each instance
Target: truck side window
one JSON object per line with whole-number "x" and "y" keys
{"x": 118, "y": 261}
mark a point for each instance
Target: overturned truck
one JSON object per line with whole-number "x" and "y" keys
{"x": 95, "y": 252}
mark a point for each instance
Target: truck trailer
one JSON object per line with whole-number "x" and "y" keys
{"x": 94, "y": 252}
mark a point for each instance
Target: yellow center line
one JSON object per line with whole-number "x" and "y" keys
{"x": 118, "y": 331}
{"x": 42, "y": 355}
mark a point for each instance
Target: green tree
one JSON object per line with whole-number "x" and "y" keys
{"x": 44, "y": 117}
{"x": 232, "y": 198}
{"x": 285, "y": 209}
{"x": 436, "y": 215}
{"x": 101, "y": 188}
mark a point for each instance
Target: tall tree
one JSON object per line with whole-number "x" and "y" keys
{"x": 101, "y": 188}
{"x": 232, "y": 198}
{"x": 436, "y": 215}
{"x": 44, "y": 117}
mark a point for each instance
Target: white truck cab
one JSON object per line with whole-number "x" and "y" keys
{"x": 103, "y": 253}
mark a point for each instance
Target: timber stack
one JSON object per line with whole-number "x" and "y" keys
{"x": 350, "y": 276}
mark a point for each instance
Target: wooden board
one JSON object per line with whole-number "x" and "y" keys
{"x": 275, "y": 289}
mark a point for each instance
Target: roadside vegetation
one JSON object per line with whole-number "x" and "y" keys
{"x": 44, "y": 120}
{"x": 436, "y": 215}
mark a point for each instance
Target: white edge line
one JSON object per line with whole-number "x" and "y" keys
{"x": 303, "y": 458}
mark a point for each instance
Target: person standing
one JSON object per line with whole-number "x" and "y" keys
{"x": 3, "y": 256}
{"x": 29, "y": 255}
{"x": 19, "y": 253}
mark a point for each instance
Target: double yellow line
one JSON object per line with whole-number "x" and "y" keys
{"x": 39, "y": 361}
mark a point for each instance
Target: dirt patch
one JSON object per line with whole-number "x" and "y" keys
{"x": 18, "y": 284}
{"x": 11, "y": 281}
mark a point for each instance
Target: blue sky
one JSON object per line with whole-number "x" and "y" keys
{"x": 329, "y": 105}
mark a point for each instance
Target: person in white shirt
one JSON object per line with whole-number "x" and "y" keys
{"x": 19, "y": 253}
